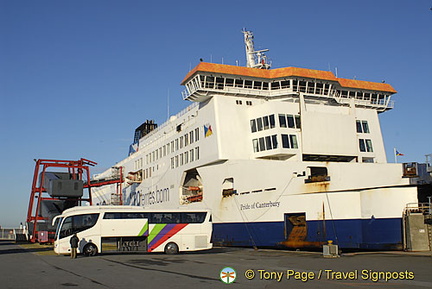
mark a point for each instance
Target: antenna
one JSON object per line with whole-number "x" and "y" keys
{"x": 255, "y": 59}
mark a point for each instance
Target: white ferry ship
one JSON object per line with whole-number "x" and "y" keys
{"x": 287, "y": 157}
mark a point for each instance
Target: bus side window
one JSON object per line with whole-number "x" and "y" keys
{"x": 193, "y": 217}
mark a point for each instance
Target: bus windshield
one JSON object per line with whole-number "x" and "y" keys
{"x": 78, "y": 223}
{"x": 57, "y": 222}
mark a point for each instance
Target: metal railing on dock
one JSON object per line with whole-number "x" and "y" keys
{"x": 11, "y": 234}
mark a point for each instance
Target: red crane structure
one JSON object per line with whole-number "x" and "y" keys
{"x": 53, "y": 192}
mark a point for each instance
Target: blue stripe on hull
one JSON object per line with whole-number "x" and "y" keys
{"x": 377, "y": 234}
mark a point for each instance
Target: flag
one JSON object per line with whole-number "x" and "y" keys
{"x": 399, "y": 154}
{"x": 208, "y": 130}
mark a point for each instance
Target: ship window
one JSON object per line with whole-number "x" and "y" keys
{"x": 369, "y": 145}
{"x": 239, "y": 83}
{"x": 344, "y": 94}
{"x": 219, "y": 83}
{"x": 186, "y": 157}
{"x": 186, "y": 138}
{"x": 268, "y": 143}
{"x": 311, "y": 87}
{"x": 229, "y": 82}
{"x": 285, "y": 141}
{"x": 362, "y": 126}
{"x": 282, "y": 120}
{"x": 275, "y": 85}
{"x": 197, "y": 134}
{"x": 191, "y": 155}
{"x": 266, "y": 122}
{"x": 239, "y": 102}
{"x": 302, "y": 85}
{"x": 368, "y": 160}
{"x": 290, "y": 121}
{"x": 352, "y": 94}
{"x": 248, "y": 84}
{"x": 197, "y": 156}
{"x": 295, "y": 85}
{"x": 265, "y": 85}
{"x": 259, "y": 124}
{"x": 367, "y": 96}
{"x": 359, "y": 95}
{"x": 261, "y": 144}
{"x": 248, "y": 102}
{"x": 253, "y": 125}
{"x": 326, "y": 88}
{"x": 289, "y": 141}
{"x": 210, "y": 82}
{"x": 293, "y": 141}
{"x": 297, "y": 121}
{"x": 359, "y": 126}
{"x": 181, "y": 159}
{"x": 181, "y": 142}
{"x": 274, "y": 141}
{"x": 365, "y": 145}
{"x": 257, "y": 84}
{"x": 202, "y": 79}
{"x": 365, "y": 126}
{"x": 285, "y": 84}
{"x": 176, "y": 161}
{"x": 255, "y": 145}
{"x": 319, "y": 88}
{"x": 362, "y": 145}
{"x": 272, "y": 121}
{"x": 191, "y": 136}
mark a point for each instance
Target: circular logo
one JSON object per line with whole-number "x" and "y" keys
{"x": 228, "y": 275}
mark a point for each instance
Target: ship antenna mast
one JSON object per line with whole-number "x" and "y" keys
{"x": 255, "y": 59}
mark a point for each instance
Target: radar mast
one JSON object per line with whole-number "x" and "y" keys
{"x": 255, "y": 59}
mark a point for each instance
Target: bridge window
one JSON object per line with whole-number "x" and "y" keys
{"x": 275, "y": 85}
{"x": 248, "y": 84}
{"x": 362, "y": 126}
{"x": 289, "y": 141}
{"x": 289, "y": 120}
{"x": 229, "y": 82}
{"x": 253, "y": 125}
{"x": 365, "y": 145}
{"x": 265, "y": 143}
{"x": 285, "y": 84}
{"x": 239, "y": 83}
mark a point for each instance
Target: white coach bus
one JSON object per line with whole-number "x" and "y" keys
{"x": 133, "y": 228}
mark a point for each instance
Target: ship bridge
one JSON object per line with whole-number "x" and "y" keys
{"x": 209, "y": 79}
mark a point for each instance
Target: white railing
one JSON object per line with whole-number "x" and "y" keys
{"x": 191, "y": 90}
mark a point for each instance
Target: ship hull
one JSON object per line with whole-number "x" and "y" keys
{"x": 366, "y": 234}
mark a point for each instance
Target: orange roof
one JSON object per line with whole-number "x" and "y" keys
{"x": 361, "y": 84}
{"x": 286, "y": 72}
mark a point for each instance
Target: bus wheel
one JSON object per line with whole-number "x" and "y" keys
{"x": 90, "y": 250}
{"x": 171, "y": 248}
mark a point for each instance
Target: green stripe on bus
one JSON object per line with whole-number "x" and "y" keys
{"x": 144, "y": 229}
{"x": 155, "y": 231}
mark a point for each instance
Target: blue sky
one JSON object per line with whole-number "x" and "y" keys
{"x": 77, "y": 77}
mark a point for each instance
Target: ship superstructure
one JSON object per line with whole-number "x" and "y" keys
{"x": 283, "y": 157}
